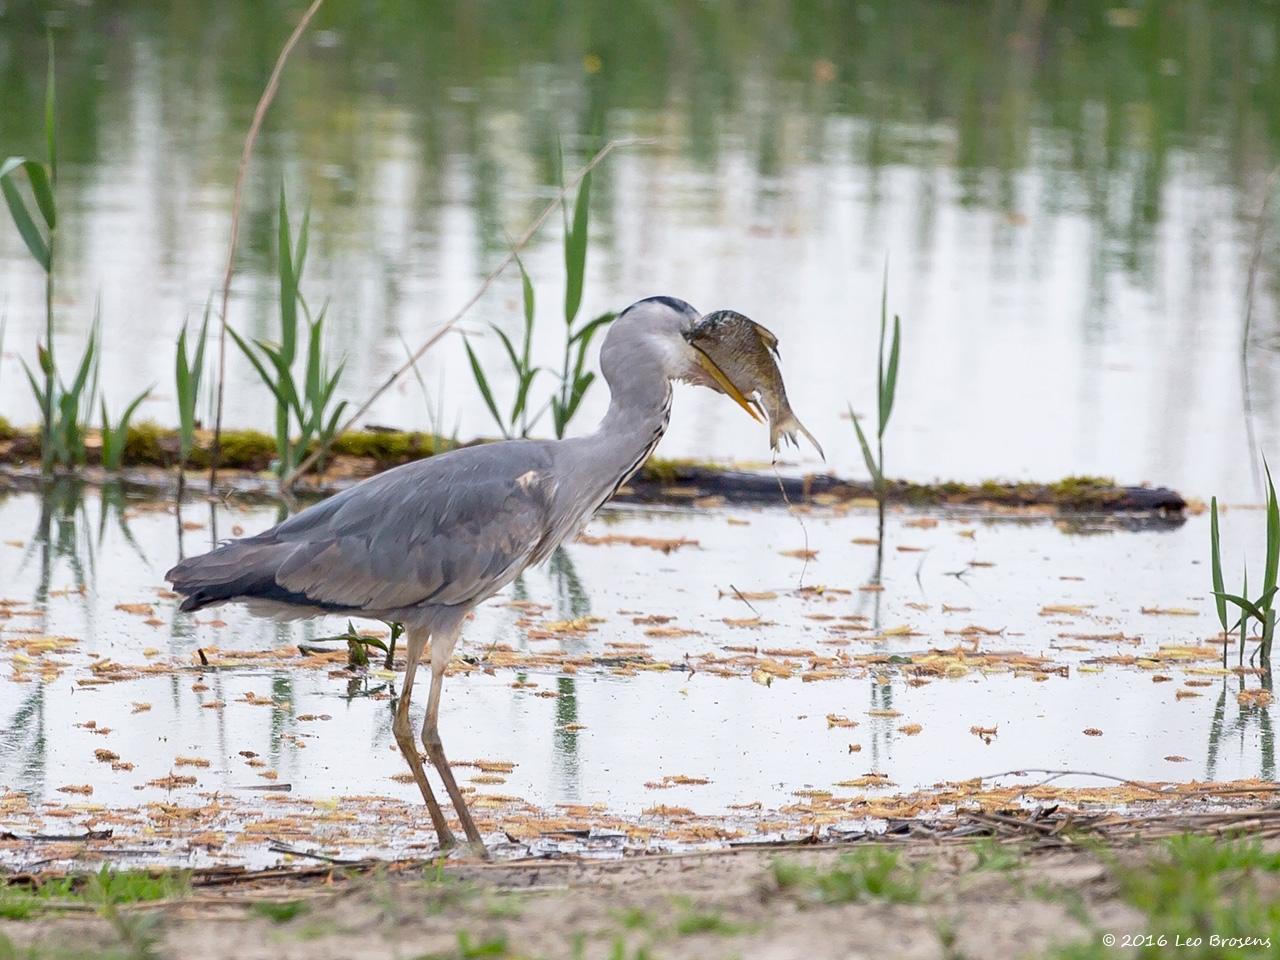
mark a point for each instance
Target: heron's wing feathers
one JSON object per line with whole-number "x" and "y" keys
{"x": 446, "y": 542}
{"x": 447, "y": 530}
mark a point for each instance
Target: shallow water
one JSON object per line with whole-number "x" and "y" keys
{"x": 600, "y": 712}
{"x": 1065, "y": 194}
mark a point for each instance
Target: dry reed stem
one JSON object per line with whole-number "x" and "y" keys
{"x": 288, "y": 480}
{"x": 259, "y": 113}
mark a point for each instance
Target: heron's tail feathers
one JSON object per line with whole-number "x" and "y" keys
{"x": 239, "y": 570}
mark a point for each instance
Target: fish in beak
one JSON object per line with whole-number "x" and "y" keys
{"x": 741, "y": 357}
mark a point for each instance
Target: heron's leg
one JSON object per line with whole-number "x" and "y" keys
{"x": 403, "y": 732}
{"x": 441, "y": 651}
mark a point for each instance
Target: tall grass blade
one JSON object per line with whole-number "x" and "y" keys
{"x": 22, "y": 220}
{"x": 288, "y": 285}
{"x": 1244, "y": 620}
{"x": 300, "y": 249}
{"x": 285, "y": 387}
{"x": 890, "y": 386}
{"x": 313, "y": 379}
{"x": 252, "y": 357}
{"x": 867, "y": 455}
{"x": 51, "y": 110}
{"x": 41, "y": 187}
{"x": 575, "y": 252}
{"x": 189, "y": 375}
{"x": 527, "y": 293}
{"x": 1273, "y": 536}
{"x": 1253, "y": 608}
{"x": 483, "y": 383}
{"x": 115, "y": 438}
{"x": 36, "y": 390}
{"x": 1215, "y": 558}
{"x": 589, "y": 330}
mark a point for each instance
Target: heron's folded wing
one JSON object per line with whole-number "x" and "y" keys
{"x": 427, "y": 536}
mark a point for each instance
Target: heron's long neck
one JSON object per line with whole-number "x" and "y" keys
{"x": 639, "y": 409}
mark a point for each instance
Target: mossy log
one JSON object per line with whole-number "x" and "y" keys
{"x": 151, "y": 453}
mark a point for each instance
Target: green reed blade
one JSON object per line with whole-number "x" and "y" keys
{"x": 1252, "y": 608}
{"x": 483, "y": 383}
{"x": 589, "y": 330}
{"x": 300, "y": 249}
{"x": 284, "y": 377}
{"x": 313, "y": 377}
{"x": 580, "y": 386}
{"x": 252, "y": 357}
{"x": 38, "y": 180}
{"x": 85, "y": 369}
{"x": 115, "y": 438}
{"x": 288, "y": 284}
{"x": 331, "y": 428}
{"x": 890, "y": 386}
{"x": 867, "y": 456}
{"x": 188, "y": 374}
{"x": 332, "y": 384}
{"x": 1244, "y": 620}
{"x": 575, "y": 252}
{"x": 516, "y": 366}
{"x": 107, "y": 436}
{"x": 51, "y": 111}
{"x": 527, "y": 288}
{"x": 522, "y": 393}
{"x": 1273, "y": 535}
{"x": 26, "y": 226}
{"x": 583, "y": 339}
{"x": 1215, "y": 559}
{"x": 36, "y": 389}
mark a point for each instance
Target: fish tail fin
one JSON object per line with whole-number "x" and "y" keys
{"x": 812, "y": 439}
{"x": 787, "y": 426}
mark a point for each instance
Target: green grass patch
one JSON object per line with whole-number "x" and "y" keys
{"x": 22, "y": 903}
{"x": 115, "y": 888}
{"x": 1204, "y": 898}
{"x": 634, "y": 918}
{"x": 873, "y": 873}
{"x": 995, "y": 856}
{"x": 106, "y": 888}
{"x": 698, "y": 921}
{"x": 281, "y": 911}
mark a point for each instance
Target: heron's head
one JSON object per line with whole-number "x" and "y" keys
{"x": 662, "y": 330}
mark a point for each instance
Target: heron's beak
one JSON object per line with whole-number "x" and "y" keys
{"x": 726, "y": 385}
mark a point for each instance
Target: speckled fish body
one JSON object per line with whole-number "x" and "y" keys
{"x": 747, "y": 354}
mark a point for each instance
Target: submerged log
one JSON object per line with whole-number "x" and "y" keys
{"x": 678, "y": 482}
{"x": 664, "y": 482}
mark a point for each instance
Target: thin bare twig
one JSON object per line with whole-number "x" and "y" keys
{"x": 288, "y": 480}
{"x": 259, "y": 113}
{"x": 738, "y": 593}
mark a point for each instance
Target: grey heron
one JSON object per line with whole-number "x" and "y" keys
{"x": 425, "y": 543}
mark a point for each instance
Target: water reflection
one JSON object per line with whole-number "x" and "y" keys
{"x": 600, "y": 734}
{"x": 1250, "y": 729}
{"x": 23, "y": 743}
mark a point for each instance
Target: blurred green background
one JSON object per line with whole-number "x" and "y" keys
{"x": 1066, "y": 193}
